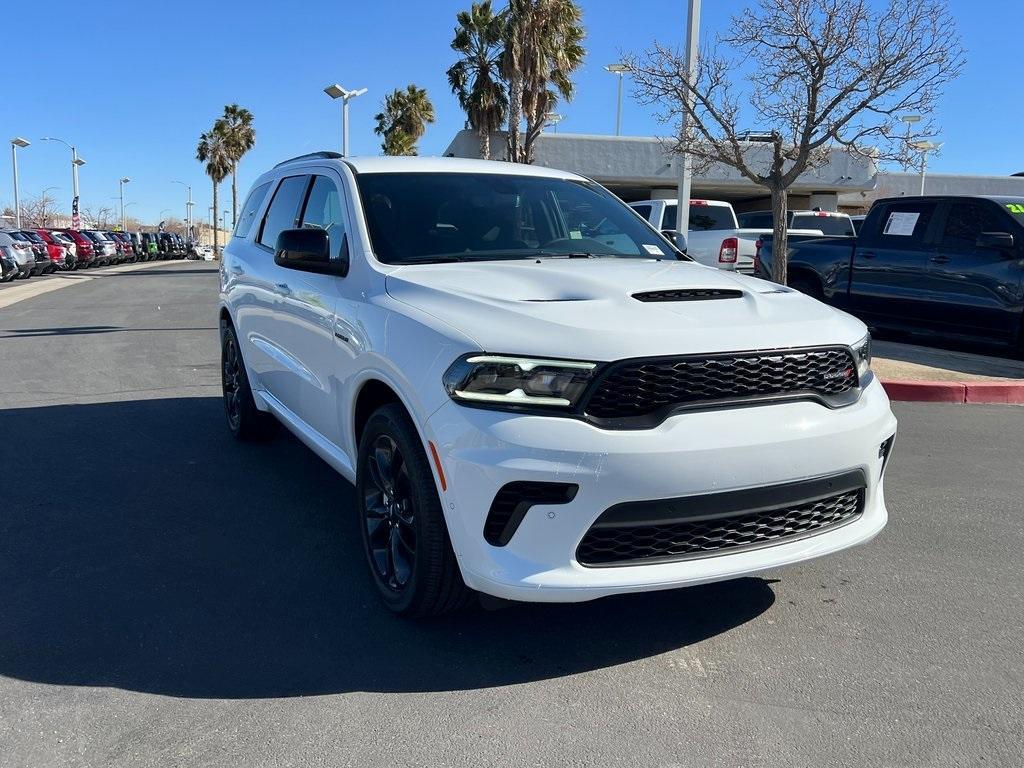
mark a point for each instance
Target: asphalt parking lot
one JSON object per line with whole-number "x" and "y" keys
{"x": 170, "y": 597}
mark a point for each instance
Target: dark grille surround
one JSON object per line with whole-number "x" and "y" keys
{"x": 612, "y": 541}
{"x": 644, "y": 389}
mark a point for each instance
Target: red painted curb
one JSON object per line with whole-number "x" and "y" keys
{"x": 1007, "y": 392}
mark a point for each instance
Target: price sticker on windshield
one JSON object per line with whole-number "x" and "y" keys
{"x": 901, "y": 223}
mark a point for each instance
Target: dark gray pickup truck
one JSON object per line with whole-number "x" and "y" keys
{"x": 950, "y": 266}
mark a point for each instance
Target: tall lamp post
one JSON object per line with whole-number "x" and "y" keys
{"x": 685, "y": 172}
{"x": 924, "y": 147}
{"x": 17, "y": 142}
{"x": 76, "y": 163}
{"x": 120, "y": 192}
{"x": 337, "y": 92}
{"x": 188, "y": 207}
{"x": 620, "y": 70}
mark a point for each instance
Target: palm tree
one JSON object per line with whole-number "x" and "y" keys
{"x": 213, "y": 151}
{"x": 403, "y": 120}
{"x": 543, "y": 46}
{"x": 239, "y": 137}
{"x": 475, "y": 78}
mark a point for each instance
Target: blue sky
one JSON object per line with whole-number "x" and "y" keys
{"x": 136, "y": 108}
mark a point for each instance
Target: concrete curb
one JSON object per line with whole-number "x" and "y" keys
{"x": 1003, "y": 392}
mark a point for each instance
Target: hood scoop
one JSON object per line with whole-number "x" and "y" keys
{"x": 689, "y": 294}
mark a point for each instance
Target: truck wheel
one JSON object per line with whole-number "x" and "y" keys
{"x": 806, "y": 285}
{"x": 245, "y": 420}
{"x": 403, "y": 528}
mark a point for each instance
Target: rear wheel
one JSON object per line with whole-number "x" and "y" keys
{"x": 245, "y": 420}
{"x": 403, "y": 529}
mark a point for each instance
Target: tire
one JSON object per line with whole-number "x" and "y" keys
{"x": 806, "y": 285}
{"x": 245, "y": 420}
{"x": 404, "y": 534}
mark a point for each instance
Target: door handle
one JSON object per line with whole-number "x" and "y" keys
{"x": 283, "y": 287}
{"x": 867, "y": 254}
{"x": 939, "y": 259}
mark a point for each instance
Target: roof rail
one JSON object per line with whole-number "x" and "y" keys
{"x": 325, "y": 155}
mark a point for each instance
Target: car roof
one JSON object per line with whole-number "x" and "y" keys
{"x": 1001, "y": 199}
{"x": 673, "y": 201}
{"x": 392, "y": 164}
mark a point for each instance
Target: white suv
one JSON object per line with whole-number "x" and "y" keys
{"x": 535, "y": 395}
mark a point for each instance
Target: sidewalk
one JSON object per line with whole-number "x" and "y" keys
{"x": 912, "y": 372}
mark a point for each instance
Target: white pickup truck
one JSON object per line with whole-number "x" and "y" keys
{"x": 715, "y": 237}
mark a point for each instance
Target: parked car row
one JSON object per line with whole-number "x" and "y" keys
{"x": 28, "y": 252}
{"x": 937, "y": 265}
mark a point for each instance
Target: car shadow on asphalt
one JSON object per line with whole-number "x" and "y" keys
{"x": 142, "y": 548}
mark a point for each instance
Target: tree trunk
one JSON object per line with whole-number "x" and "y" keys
{"x": 485, "y": 144}
{"x": 216, "y": 229}
{"x": 780, "y": 240}
{"x": 234, "y": 194}
{"x": 515, "y": 115}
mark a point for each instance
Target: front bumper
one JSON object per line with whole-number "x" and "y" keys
{"x": 689, "y": 454}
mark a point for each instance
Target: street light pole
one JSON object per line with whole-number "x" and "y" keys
{"x": 16, "y": 142}
{"x": 76, "y": 161}
{"x": 337, "y": 92}
{"x": 620, "y": 70}
{"x": 188, "y": 207}
{"x": 925, "y": 147}
{"x": 120, "y": 188}
{"x": 685, "y": 171}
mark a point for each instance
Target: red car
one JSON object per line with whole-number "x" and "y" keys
{"x": 85, "y": 249}
{"x": 59, "y": 255}
{"x": 125, "y": 248}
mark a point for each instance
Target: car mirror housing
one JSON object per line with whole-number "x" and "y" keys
{"x": 309, "y": 250}
{"x": 999, "y": 241}
{"x": 678, "y": 239}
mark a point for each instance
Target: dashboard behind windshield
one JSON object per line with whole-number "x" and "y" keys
{"x": 422, "y": 217}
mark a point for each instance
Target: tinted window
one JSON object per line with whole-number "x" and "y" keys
{"x": 283, "y": 212}
{"x": 903, "y": 225}
{"x": 250, "y": 209}
{"x": 829, "y": 225}
{"x": 423, "y": 216}
{"x": 643, "y": 210}
{"x": 965, "y": 222}
{"x": 755, "y": 220}
{"x": 702, "y": 217}
{"x": 324, "y": 211}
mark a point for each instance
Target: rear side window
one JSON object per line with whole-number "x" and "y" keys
{"x": 643, "y": 210}
{"x": 755, "y": 220}
{"x": 283, "y": 212}
{"x": 903, "y": 225}
{"x": 702, "y": 217}
{"x": 250, "y": 209}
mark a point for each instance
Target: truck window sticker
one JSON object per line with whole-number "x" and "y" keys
{"x": 901, "y": 223}
{"x": 1017, "y": 208}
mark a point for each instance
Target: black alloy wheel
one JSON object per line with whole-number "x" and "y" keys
{"x": 389, "y": 514}
{"x": 245, "y": 420}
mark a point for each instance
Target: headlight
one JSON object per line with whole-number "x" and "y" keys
{"x": 517, "y": 381}
{"x": 862, "y": 356}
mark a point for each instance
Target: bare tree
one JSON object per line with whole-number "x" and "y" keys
{"x": 39, "y": 210}
{"x": 816, "y": 75}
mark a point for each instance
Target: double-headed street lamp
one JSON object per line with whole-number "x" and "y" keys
{"x": 120, "y": 191}
{"x": 188, "y": 207}
{"x": 17, "y": 142}
{"x": 76, "y": 162}
{"x": 337, "y": 92}
{"x": 924, "y": 147}
{"x": 620, "y": 70}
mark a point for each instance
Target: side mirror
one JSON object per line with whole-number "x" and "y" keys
{"x": 998, "y": 241}
{"x": 309, "y": 250}
{"x": 677, "y": 238}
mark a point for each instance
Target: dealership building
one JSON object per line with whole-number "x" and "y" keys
{"x": 640, "y": 168}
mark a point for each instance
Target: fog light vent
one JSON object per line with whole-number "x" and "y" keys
{"x": 514, "y": 500}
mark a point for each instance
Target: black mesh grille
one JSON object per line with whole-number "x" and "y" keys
{"x": 689, "y": 294}
{"x": 693, "y": 538}
{"x": 641, "y": 387}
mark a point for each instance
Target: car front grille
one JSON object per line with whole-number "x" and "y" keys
{"x": 622, "y": 543}
{"x": 639, "y": 388}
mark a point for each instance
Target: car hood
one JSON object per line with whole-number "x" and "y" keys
{"x": 585, "y": 308}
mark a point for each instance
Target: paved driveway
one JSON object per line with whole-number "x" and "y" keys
{"x": 170, "y": 597}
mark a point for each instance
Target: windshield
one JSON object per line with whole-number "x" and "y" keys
{"x": 829, "y": 225}
{"x": 424, "y": 217}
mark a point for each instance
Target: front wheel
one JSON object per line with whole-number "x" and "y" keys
{"x": 245, "y": 420}
{"x": 403, "y": 529}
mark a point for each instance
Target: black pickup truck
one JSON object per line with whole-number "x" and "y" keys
{"x": 949, "y": 266}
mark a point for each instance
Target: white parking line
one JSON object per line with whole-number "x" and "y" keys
{"x": 14, "y": 294}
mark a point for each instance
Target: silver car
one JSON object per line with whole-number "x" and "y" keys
{"x": 20, "y": 251}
